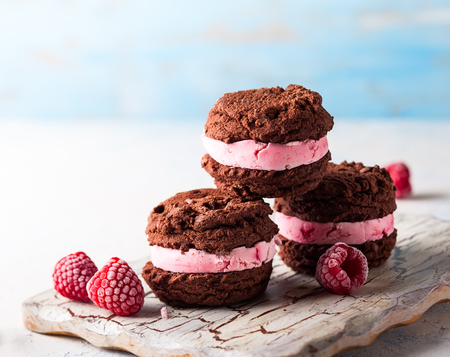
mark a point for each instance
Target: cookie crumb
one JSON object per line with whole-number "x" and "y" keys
{"x": 164, "y": 314}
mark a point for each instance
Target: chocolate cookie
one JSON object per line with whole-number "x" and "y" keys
{"x": 349, "y": 192}
{"x": 190, "y": 290}
{"x": 352, "y": 204}
{"x": 209, "y": 220}
{"x": 269, "y": 115}
{"x": 253, "y": 184}
{"x": 208, "y": 248}
{"x": 303, "y": 257}
{"x": 268, "y": 142}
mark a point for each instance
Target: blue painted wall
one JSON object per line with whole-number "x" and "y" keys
{"x": 174, "y": 59}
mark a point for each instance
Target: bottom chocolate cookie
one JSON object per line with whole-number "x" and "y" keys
{"x": 253, "y": 184}
{"x": 206, "y": 289}
{"x": 303, "y": 257}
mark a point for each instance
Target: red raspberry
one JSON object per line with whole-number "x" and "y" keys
{"x": 342, "y": 269}
{"x": 72, "y": 274}
{"x": 117, "y": 288}
{"x": 400, "y": 174}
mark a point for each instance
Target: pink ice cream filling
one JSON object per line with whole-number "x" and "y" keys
{"x": 307, "y": 232}
{"x": 249, "y": 154}
{"x": 199, "y": 261}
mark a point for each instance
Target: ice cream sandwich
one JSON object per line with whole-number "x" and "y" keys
{"x": 209, "y": 249}
{"x": 353, "y": 204}
{"x": 268, "y": 142}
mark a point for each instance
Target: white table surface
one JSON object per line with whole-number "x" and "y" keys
{"x": 90, "y": 185}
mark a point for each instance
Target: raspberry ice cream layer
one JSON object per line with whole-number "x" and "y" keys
{"x": 199, "y": 261}
{"x": 307, "y": 232}
{"x": 249, "y": 154}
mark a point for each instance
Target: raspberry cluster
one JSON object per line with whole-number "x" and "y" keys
{"x": 115, "y": 287}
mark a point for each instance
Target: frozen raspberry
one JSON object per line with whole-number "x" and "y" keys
{"x": 342, "y": 269}
{"x": 72, "y": 274}
{"x": 400, "y": 174}
{"x": 117, "y": 288}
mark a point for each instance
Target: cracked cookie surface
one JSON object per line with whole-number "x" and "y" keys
{"x": 348, "y": 192}
{"x": 209, "y": 220}
{"x": 269, "y": 115}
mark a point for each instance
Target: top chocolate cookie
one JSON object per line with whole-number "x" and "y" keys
{"x": 207, "y": 219}
{"x": 269, "y": 115}
{"x": 349, "y": 192}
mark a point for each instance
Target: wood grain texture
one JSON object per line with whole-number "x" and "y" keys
{"x": 294, "y": 317}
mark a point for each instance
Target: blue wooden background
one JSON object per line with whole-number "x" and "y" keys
{"x": 173, "y": 59}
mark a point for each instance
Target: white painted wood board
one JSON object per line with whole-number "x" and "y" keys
{"x": 294, "y": 317}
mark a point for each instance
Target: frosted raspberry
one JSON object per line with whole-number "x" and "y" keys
{"x": 342, "y": 269}
{"x": 71, "y": 275}
{"x": 400, "y": 174}
{"x": 117, "y": 288}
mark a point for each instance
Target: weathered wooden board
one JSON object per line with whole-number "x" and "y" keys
{"x": 294, "y": 317}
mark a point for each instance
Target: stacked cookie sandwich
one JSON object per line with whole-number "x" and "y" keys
{"x": 215, "y": 246}
{"x": 268, "y": 142}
